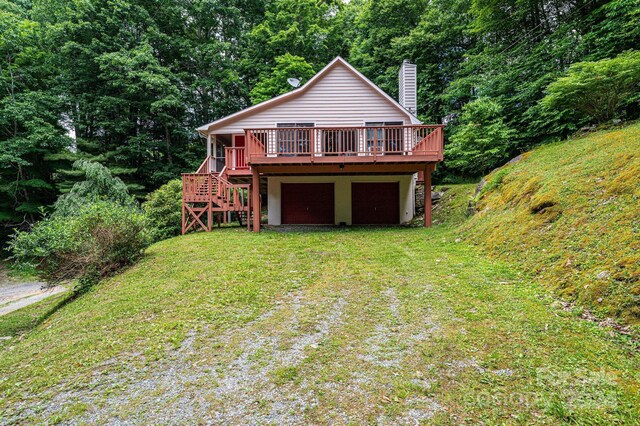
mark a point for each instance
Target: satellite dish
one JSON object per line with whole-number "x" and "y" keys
{"x": 295, "y": 82}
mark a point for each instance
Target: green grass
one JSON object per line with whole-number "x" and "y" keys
{"x": 21, "y": 321}
{"x": 487, "y": 311}
{"x": 480, "y": 336}
{"x": 569, "y": 214}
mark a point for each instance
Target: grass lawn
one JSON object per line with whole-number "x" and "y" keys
{"x": 396, "y": 325}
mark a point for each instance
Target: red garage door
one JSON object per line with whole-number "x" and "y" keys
{"x": 308, "y": 203}
{"x": 375, "y": 203}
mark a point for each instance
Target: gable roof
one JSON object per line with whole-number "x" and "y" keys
{"x": 300, "y": 91}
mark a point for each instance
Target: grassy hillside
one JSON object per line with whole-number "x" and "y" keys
{"x": 395, "y": 325}
{"x": 570, "y": 213}
{"x": 388, "y": 325}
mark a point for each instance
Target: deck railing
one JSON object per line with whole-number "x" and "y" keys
{"x": 206, "y": 187}
{"x": 204, "y": 194}
{"x": 373, "y": 141}
{"x": 236, "y": 158}
{"x": 198, "y": 187}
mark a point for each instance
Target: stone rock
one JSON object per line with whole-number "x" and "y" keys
{"x": 603, "y": 275}
{"x": 514, "y": 160}
{"x": 479, "y": 187}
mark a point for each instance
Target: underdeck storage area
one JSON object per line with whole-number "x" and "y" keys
{"x": 348, "y": 200}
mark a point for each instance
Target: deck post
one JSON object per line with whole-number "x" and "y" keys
{"x": 427, "y": 195}
{"x": 255, "y": 198}
{"x": 183, "y": 215}
{"x": 208, "y": 145}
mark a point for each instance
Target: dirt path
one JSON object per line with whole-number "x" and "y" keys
{"x": 14, "y": 296}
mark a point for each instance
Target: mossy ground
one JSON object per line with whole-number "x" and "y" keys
{"x": 569, "y": 212}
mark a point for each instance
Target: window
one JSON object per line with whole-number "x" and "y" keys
{"x": 385, "y": 137}
{"x": 294, "y": 138}
{"x": 219, "y": 154}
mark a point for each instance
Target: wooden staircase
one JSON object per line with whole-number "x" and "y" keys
{"x": 208, "y": 197}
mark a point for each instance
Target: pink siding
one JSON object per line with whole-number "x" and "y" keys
{"x": 339, "y": 98}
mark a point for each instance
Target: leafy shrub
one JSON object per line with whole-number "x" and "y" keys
{"x": 99, "y": 238}
{"x": 99, "y": 184}
{"x": 163, "y": 209}
{"x": 597, "y": 90}
{"x": 481, "y": 142}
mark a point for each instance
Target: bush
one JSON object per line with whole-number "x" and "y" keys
{"x": 164, "y": 210}
{"x": 597, "y": 90}
{"x": 98, "y": 239}
{"x": 482, "y": 140}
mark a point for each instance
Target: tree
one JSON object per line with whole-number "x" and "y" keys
{"x": 597, "y": 90}
{"x": 30, "y": 129}
{"x": 309, "y": 29}
{"x": 437, "y": 45}
{"x": 481, "y": 140}
{"x": 276, "y": 83}
{"x": 378, "y": 24}
{"x": 98, "y": 184}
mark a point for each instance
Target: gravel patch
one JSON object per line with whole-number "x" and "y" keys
{"x": 182, "y": 390}
{"x": 252, "y": 374}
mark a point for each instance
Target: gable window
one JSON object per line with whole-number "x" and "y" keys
{"x": 294, "y": 138}
{"x": 385, "y": 136}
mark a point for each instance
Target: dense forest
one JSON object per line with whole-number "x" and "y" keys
{"x": 126, "y": 82}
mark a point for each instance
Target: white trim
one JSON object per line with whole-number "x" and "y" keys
{"x": 413, "y": 119}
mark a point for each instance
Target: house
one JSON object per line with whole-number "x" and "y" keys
{"x": 337, "y": 150}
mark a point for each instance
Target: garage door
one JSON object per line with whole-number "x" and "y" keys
{"x": 375, "y": 203}
{"x": 308, "y": 203}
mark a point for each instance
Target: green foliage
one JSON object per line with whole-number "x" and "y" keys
{"x": 131, "y": 79}
{"x": 275, "y": 83}
{"x": 568, "y": 212}
{"x": 30, "y": 129}
{"x": 163, "y": 208}
{"x": 481, "y": 140}
{"x": 308, "y": 29}
{"x": 98, "y": 184}
{"x": 96, "y": 240}
{"x": 378, "y": 24}
{"x": 598, "y": 90}
{"x": 94, "y": 230}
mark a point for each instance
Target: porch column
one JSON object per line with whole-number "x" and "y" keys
{"x": 255, "y": 198}
{"x": 214, "y": 152}
{"x": 427, "y": 195}
{"x": 209, "y": 145}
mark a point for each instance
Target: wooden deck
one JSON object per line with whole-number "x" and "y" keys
{"x": 209, "y": 196}
{"x": 344, "y": 145}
